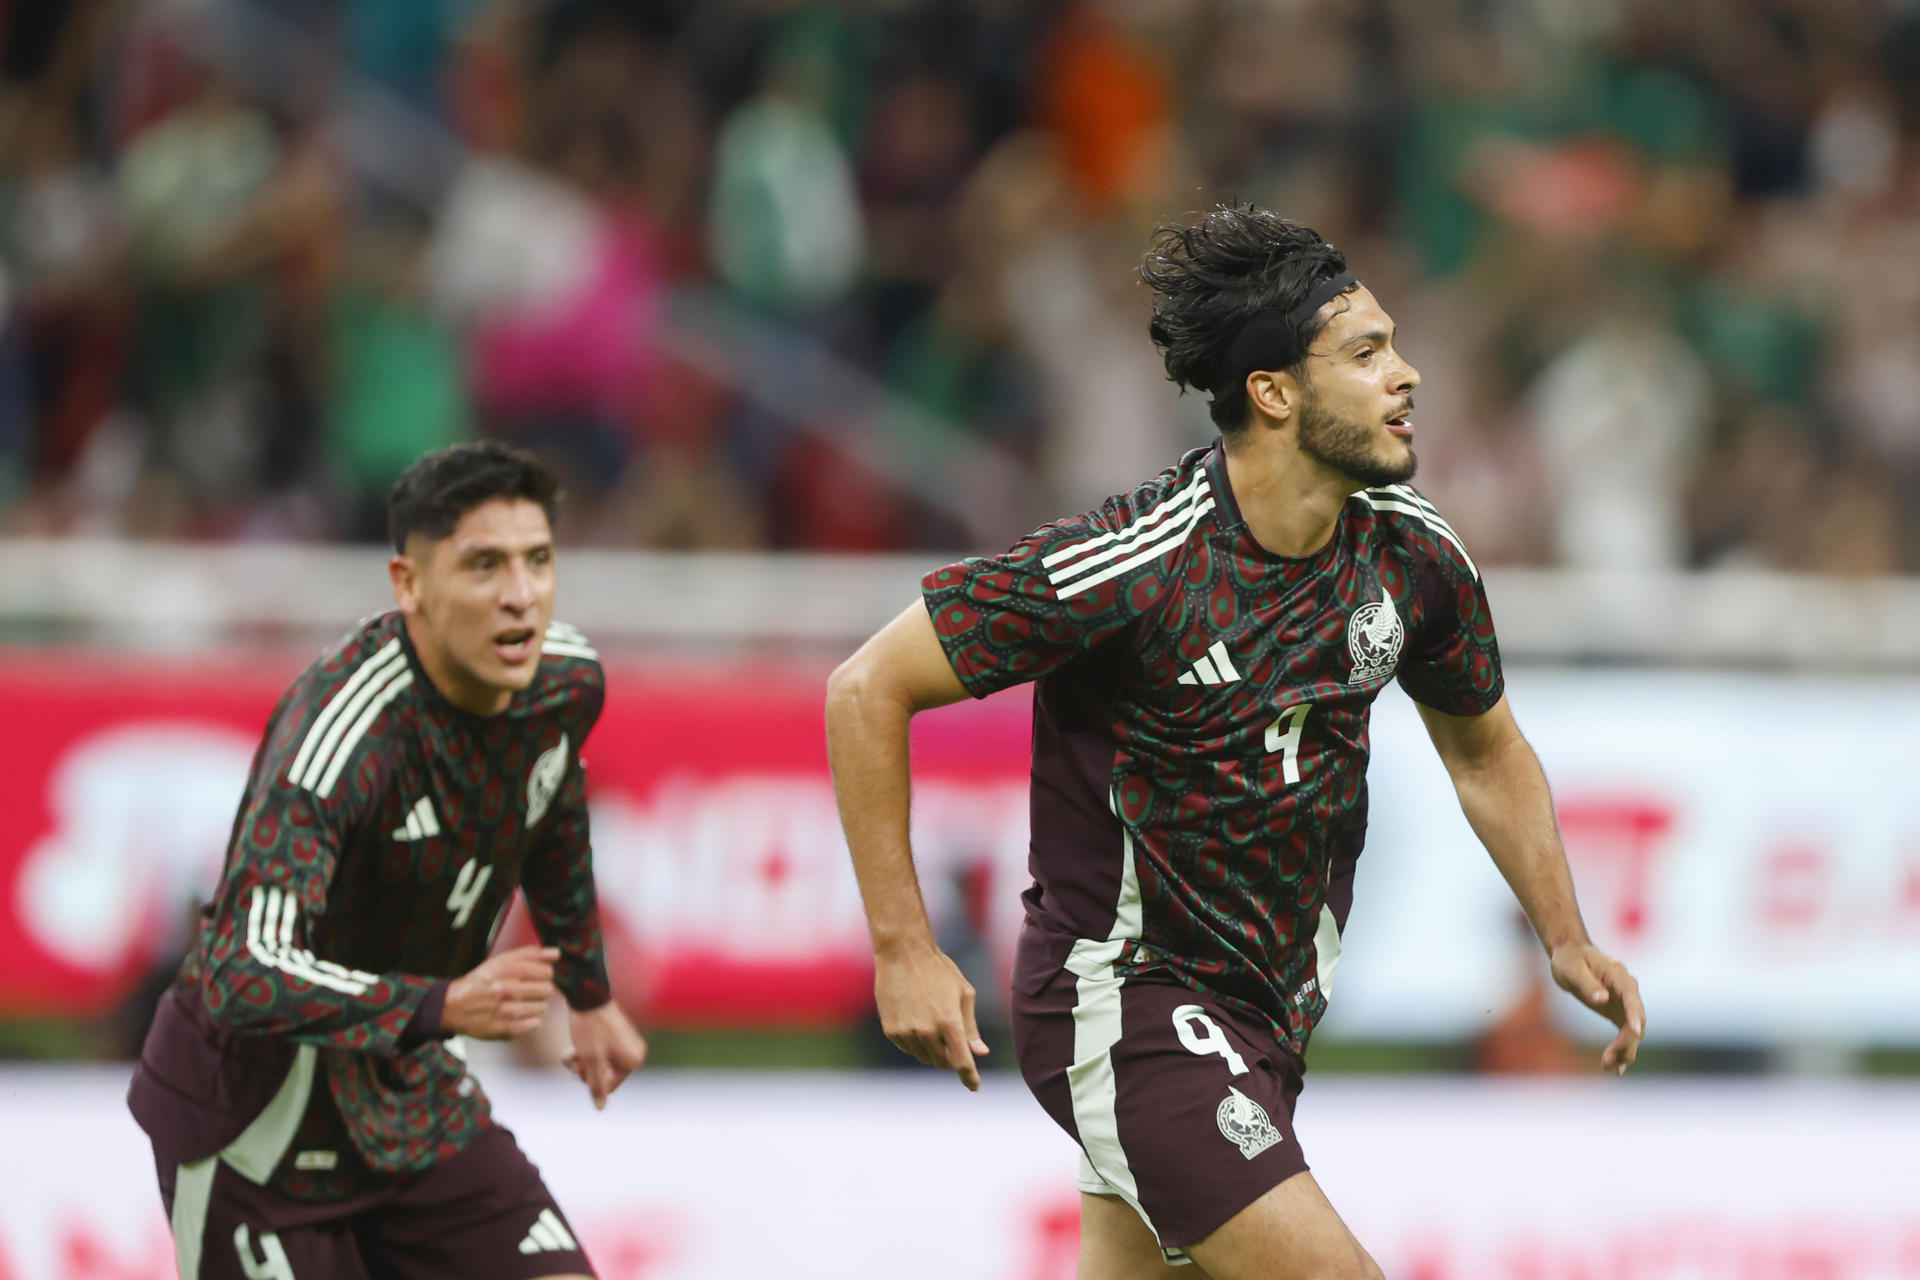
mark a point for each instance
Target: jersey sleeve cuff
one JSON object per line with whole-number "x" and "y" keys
{"x": 425, "y": 1024}
{"x": 978, "y": 681}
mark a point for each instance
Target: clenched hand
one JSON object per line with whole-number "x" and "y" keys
{"x": 503, "y": 997}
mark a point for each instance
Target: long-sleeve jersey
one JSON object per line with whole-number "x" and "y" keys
{"x": 1200, "y": 722}
{"x": 377, "y": 847}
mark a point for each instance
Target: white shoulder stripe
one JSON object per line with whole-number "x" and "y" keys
{"x": 338, "y": 761}
{"x": 567, "y": 642}
{"x": 553, "y": 648}
{"x": 1133, "y": 532}
{"x": 1438, "y": 521}
{"x": 1176, "y": 534}
{"x": 1383, "y": 500}
{"x": 340, "y": 725}
{"x": 1434, "y": 516}
{"x": 370, "y": 668}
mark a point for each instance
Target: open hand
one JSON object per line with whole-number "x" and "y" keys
{"x": 503, "y": 997}
{"x": 606, "y": 1050}
{"x": 1603, "y": 984}
{"x": 926, "y": 1009}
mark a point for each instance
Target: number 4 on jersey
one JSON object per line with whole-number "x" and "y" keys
{"x": 467, "y": 888}
{"x": 1287, "y": 740}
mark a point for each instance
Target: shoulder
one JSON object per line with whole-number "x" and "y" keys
{"x": 572, "y": 683}
{"x": 330, "y": 712}
{"x": 1406, "y": 519}
{"x": 1133, "y": 533}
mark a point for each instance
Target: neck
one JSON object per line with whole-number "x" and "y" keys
{"x": 1290, "y": 502}
{"x": 453, "y": 684}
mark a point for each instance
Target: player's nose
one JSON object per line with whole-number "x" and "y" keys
{"x": 517, "y": 592}
{"x": 1409, "y": 376}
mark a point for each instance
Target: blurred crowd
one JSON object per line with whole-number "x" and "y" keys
{"x": 860, "y": 275}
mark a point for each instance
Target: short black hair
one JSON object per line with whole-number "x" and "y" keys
{"x": 433, "y": 493}
{"x": 1212, "y": 277}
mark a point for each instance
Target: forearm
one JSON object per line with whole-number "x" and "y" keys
{"x": 562, "y": 902}
{"x": 261, "y": 981}
{"x": 1506, "y": 799}
{"x": 573, "y": 928}
{"x": 868, "y": 751}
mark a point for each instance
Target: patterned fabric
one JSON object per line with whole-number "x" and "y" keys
{"x": 1200, "y": 740}
{"x": 376, "y": 850}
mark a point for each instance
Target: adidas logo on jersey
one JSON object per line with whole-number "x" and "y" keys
{"x": 421, "y": 824}
{"x": 549, "y": 1235}
{"x": 1215, "y": 668}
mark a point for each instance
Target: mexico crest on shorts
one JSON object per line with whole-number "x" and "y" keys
{"x": 1245, "y": 1123}
{"x": 544, "y": 782}
{"x": 1374, "y": 641}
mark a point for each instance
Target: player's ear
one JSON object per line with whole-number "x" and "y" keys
{"x": 405, "y": 574}
{"x": 1274, "y": 392}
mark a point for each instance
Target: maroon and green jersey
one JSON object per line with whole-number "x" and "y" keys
{"x": 379, "y": 842}
{"x": 1199, "y": 792}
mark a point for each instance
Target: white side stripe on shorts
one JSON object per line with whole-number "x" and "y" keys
{"x": 270, "y": 917}
{"x": 1096, "y": 1029}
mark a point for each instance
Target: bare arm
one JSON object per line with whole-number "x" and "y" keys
{"x": 1503, "y": 792}
{"x": 926, "y": 1006}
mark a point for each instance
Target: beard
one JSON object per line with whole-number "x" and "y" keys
{"x": 1348, "y": 447}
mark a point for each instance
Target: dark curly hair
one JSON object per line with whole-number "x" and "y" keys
{"x": 1212, "y": 277}
{"x": 433, "y": 493}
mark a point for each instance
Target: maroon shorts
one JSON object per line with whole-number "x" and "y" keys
{"x": 1181, "y": 1107}
{"x": 484, "y": 1212}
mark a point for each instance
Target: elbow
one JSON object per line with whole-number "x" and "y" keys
{"x": 850, "y": 683}
{"x": 225, "y": 1006}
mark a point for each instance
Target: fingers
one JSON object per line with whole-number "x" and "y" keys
{"x": 1581, "y": 979}
{"x": 971, "y": 1025}
{"x": 958, "y": 1057}
{"x": 526, "y": 963}
{"x": 1619, "y": 1055}
{"x": 1634, "y": 1013}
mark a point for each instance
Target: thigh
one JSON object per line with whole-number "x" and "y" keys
{"x": 227, "y": 1228}
{"x": 1183, "y": 1111}
{"x": 484, "y": 1212}
{"x": 1290, "y": 1233}
{"x": 1116, "y": 1245}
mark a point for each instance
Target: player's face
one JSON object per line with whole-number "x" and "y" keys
{"x": 1357, "y": 398}
{"x": 480, "y": 600}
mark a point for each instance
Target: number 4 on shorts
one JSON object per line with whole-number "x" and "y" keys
{"x": 1202, "y": 1035}
{"x": 272, "y": 1263}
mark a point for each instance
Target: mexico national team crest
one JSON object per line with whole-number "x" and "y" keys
{"x": 1374, "y": 639}
{"x": 544, "y": 782}
{"x": 1245, "y": 1123}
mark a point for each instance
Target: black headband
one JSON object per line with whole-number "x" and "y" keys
{"x": 1271, "y": 340}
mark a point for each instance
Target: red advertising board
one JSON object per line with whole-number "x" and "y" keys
{"x": 724, "y": 885}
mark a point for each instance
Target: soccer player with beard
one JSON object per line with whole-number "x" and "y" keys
{"x": 304, "y": 1084}
{"x": 1207, "y": 648}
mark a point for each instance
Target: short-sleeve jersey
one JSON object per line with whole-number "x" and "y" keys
{"x": 378, "y": 844}
{"x": 1199, "y": 794}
